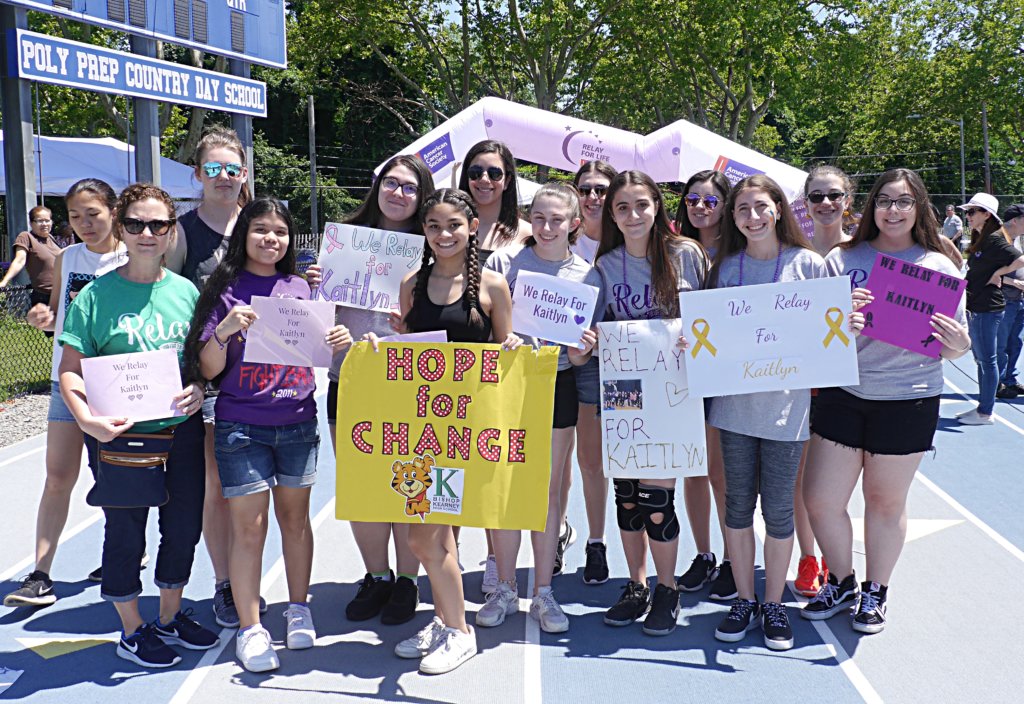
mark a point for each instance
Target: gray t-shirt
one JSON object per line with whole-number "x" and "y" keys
{"x": 887, "y": 372}
{"x": 771, "y": 415}
{"x": 1012, "y": 293}
{"x": 952, "y": 226}
{"x": 628, "y": 291}
{"x": 509, "y": 261}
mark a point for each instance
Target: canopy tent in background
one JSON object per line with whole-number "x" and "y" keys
{"x": 673, "y": 153}
{"x": 68, "y": 159}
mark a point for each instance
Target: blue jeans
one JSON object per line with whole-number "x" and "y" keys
{"x": 769, "y": 467}
{"x": 984, "y": 328}
{"x": 1009, "y": 342}
{"x": 255, "y": 458}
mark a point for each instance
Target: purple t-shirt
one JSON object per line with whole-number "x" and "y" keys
{"x": 260, "y": 394}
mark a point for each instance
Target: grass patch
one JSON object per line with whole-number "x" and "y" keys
{"x": 25, "y": 358}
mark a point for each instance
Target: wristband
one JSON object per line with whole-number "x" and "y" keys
{"x": 220, "y": 345}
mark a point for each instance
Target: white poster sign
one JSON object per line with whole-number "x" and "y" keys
{"x": 139, "y": 385}
{"x": 552, "y": 309}
{"x": 289, "y": 331}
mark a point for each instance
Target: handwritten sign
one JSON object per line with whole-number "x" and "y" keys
{"x": 906, "y": 297}
{"x": 289, "y": 331}
{"x": 651, "y": 426}
{"x": 363, "y": 266}
{"x": 139, "y": 385}
{"x": 552, "y": 309}
{"x": 458, "y": 434}
{"x": 791, "y": 335}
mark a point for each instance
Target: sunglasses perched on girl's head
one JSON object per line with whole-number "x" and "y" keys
{"x": 213, "y": 168}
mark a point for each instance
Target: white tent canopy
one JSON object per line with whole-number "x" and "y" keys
{"x": 68, "y": 159}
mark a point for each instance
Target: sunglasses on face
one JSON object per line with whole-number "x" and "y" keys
{"x": 393, "y": 184}
{"x": 213, "y": 168}
{"x": 818, "y": 197}
{"x": 902, "y": 204}
{"x": 157, "y": 228}
{"x": 493, "y": 172}
{"x": 598, "y": 191}
{"x": 694, "y": 199}
{"x": 973, "y": 211}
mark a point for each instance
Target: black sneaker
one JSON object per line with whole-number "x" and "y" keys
{"x": 743, "y": 616}
{"x": 144, "y": 647}
{"x": 778, "y": 635}
{"x": 723, "y": 586}
{"x": 661, "y": 620}
{"x": 870, "y": 616}
{"x": 1005, "y": 391}
{"x": 224, "y": 610}
{"x": 1016, "y": 387}
{"x": 401, "y": 605}
{"x": 35, "y": 590}
{"x": 631, "y": 605}
{"x": 370, "y": 599}
{"x": 596, "y": 569}
{"x": 184, "y": 631}
{"x": 97, "y": 574}
{"x": 564, "y": 541}
{"x": 833, "y": 597}
{"x": 702, "y": 569}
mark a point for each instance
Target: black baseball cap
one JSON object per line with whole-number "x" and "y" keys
{"x": 1014, "y": 211}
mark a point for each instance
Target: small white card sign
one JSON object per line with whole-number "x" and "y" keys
{"x": 139, "y": 385}
{"x": 552, "y": 309}
{"x": 651, "y": 427}
{"x": 363, "y": 266}
{"x": 289, "y": 331}
{"x": 429, "y": 336}
{"x": 769, "y": 337}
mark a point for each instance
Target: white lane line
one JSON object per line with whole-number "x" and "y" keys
{"x": 22, "y": 567}
{"x": 999, "y": 418}
{"x": 849, "y": 668}
{"x": 531, "y": 643}
{"x": 195, "y": 678}
{"x": 22, "y": 456}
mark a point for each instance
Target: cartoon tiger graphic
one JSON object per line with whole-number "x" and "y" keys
{"x": 411, "y": 480}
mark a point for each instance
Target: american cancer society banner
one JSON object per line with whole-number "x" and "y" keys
{"x": 456, "y": 434}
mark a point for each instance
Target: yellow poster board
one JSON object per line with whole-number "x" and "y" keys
{"x": 450, "y": 433}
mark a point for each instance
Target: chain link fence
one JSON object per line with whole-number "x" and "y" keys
{"x": 25, "y": 353}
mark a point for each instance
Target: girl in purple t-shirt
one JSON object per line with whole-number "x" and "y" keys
{"x": 266, "y": 436}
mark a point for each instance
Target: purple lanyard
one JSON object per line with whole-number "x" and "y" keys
{"x": 778, "y": 264}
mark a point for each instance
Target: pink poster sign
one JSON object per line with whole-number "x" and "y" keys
{"x": 906, "y": 297}
{"x": 138, "y": 385}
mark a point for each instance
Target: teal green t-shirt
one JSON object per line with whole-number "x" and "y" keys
{"x": 112, "y": 315}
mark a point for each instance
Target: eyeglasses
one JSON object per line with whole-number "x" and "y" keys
{"x": 393, "y": 184}
{"x": 972, "y": 211}
{"x": 157, "y": 228}
{"x": 819, "y": 197}
{"x": 493, "y": 172}
{"x": 903, "y": 204}
{"x": 213, "y": 168}
{"x": 42, "y": 222}
{"x": 694, "y": 199}
{"x": 598, "y": 191}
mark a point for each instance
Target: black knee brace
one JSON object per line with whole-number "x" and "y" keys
{"x": 627, "y": 491}
{"x": 655, "y": 499}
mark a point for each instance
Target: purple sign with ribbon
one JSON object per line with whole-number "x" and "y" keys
{"x": 906, "y": 298}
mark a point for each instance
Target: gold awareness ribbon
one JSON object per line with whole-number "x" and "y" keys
{"x": 834, "y": 329}
{"x": 702, "y": 338}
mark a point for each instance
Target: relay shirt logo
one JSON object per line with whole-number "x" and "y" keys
{"x": 153, "y": 334}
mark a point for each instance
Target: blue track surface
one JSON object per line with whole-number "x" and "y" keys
{"x": 953, "y": 610}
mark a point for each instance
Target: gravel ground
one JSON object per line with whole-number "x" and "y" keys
{"x": 23, "y": 417}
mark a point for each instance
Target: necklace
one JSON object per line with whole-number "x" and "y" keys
{"x": 778, "y": 265}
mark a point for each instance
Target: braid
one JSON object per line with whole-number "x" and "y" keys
{"x": 472, "y": 295}
{"x": 419, "y": 291}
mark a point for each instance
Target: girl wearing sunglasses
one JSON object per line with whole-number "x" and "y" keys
{"x": 699, "y": 217}
{"x": 139, "y": 307}
{"x": 489, "y": 176}
{"x": 877, "y": 431}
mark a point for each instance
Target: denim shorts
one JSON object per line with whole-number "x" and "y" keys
{"x": 588, "y": 378}
{"x": 255, "y": 458}
{"x": 59, "y": 411}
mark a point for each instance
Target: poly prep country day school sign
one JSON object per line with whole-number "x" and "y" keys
{"x": 40, "y": 57}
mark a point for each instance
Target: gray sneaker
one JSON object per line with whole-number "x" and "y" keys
{"x": 502, "y": 602}
{"x": 224, "y": 610}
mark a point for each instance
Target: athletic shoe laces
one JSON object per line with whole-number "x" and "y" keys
{"x": 868, "y": 603}
{"x": 226, "y": 595}
{"x": 776, "y": 615}
{"x": 547, "y": 602}
{"x": 740, "y": 610}
{"x": 827, "y": 594}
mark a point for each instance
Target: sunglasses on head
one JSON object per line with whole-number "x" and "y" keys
{"x": 213, "y": 168}
{"x": 694, "y": 199}
{"x": 477, "y": 172}
{"x": 598, "y": 191}
{"x": 819, "y": 197}
{"x": 157, "y": 228}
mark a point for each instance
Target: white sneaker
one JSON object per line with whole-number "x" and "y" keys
{"x": 975, "y": 418}
{"x": 502, "y": 602}
{"x": 301, "y": 632}
{"x": 548, "y": 613}
{"x": 490, "y": 582}
{"x": 452, "y": 648}
{"x": 255, "y": 651}
{"x": 420, "y": 644}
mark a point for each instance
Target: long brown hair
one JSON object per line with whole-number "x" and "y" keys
{"x": 368, "y": 213}
{"x": 664, "y": 275}
{"x": 508, "y": 215}
{"x": 787, "y": 229}
{"x": 978, "y": 236}
{"x": 926, "y": 226}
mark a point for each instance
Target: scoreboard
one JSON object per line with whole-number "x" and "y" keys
{"x": 250, "y": 30}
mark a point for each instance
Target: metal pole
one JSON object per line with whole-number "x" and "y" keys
{"x": 963, "y": 168}
{"x": 39, "y": 144}
{"x": 314, "y": 219}
{"x": 16, "y": 106}
{"x": 984, "y": 133}
{"x": 128, "y": 121}
{"x": 147, "y": 123}
{"x": 242, "y": 124}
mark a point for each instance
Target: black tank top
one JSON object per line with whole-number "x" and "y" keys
{"x": 202, "y": 242}
{"x": 452, "y": 317}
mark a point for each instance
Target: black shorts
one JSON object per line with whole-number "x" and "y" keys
{"x": 879, "y": 427}
{"x": 567, "y": 408}
{"x": 332, "y": 402}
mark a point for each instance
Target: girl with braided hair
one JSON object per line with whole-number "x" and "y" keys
{"x": 474, "y": 306}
